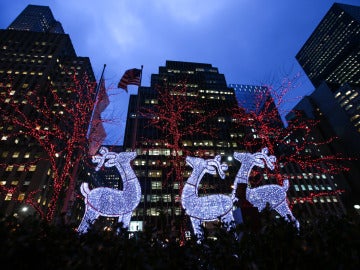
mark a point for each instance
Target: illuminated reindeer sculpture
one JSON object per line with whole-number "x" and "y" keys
{"x": 111, "y": 202}
{"x": 210, "y": 207}
{"x": 272, "y": 195}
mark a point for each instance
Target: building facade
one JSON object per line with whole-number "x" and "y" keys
{"x": 330, "y": 58}
{"x": 38, "y": 68}
{"x": 185, "y": 112}
{"x": 332, "y": 52}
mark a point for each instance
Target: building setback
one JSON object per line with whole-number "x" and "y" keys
{"x": 36, "y": 57}
{"x": 251, "y": 97}
{"x": 331, "y": 60}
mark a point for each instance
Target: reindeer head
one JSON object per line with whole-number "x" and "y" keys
{"x": 213, "y": 164}
{"x": 257, "y": 159}
{"x": 112, "y": 158}
{"x": 210, "y": 166}
{"x": 262, "y": 156}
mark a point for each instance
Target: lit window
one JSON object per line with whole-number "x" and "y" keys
{"x": 152, "y": 212}
{"x": 154, "y": 173}
{"x": 8, "y": 197}
{"x": 176, "y": 185}
{"x": 21, "y": 197}
{"x": 166, "y": 198}
{"x": 156, "y": 185}
{"x": 32, "y": 168}
{"x": 155, "y": 198}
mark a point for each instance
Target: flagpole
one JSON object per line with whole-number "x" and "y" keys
{"x": 96, "y": 97}
{"x": 137, "y": 112}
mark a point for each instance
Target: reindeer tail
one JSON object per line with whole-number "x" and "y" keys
{"x": 84, "y": 188}
{"x": 285, "y": 184}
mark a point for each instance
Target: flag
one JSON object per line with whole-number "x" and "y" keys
{"x": 97, "y": 130}
{"x": 131, "y": 76}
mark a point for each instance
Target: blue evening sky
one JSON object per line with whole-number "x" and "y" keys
{"x": 250, "y": 41}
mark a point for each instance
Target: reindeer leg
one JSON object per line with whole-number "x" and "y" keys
{"x": 196, "y": 227}
{"x": 284, "y": 210}
{"x": 228, "y": 219}
{"x": 88, "y": 219}
{"x": 126, "y": 220}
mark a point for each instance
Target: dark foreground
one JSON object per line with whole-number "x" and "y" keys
{"x": 327, "y": 243}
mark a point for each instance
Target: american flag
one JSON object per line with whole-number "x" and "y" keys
{"x": 97, "y": 130}
{"x": 131, "y": 76}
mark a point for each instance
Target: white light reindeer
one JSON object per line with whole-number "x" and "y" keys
{"x": 272, "y": 195}
{"x": 111, "y": 202}
{"x": 205, "y": 208}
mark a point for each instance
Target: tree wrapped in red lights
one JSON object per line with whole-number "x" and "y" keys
{"x": 50, "y": 122}
{"x": 300, "y": 148}
{"x": 178, "y": 116}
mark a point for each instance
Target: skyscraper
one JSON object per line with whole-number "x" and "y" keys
{"x": 193, "y": 105}
{"x": 332, "y": 52}
{"x": 39, "y": 71}
{"x": 37, "y": 19}
{"x": 331, "y": 60}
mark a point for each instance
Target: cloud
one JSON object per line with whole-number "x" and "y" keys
{"x": 188, "y": 11}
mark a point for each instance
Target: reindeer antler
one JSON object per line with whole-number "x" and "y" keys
{"x": 100, "y": 159}
{"x": 220, "y": 167}
{"x": 264, "y": 154}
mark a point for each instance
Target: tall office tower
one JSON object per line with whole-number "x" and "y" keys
{"x": 37, "y": 19}
{"x": 315, "y": 190}
{"x": 334, "y": 122}
{"x": 332, "y": 52}
{"x": 37, "y": 70}
{"x": 193, "y": 105}
{"x": 331, "y": 60}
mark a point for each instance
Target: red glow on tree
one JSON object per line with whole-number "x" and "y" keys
{"x": 298, "y": 146}
{"x": 54, "y": 121}
{"x": 178, "y": 116}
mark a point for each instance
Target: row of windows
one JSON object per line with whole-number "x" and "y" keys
{"x": 161, "y": 198}
{"x": 312, "y": 187}
{"x": 216, "y": 92}
{"x": 14, "y": 183}
{"x": 15, "y": 154}
{"x": 20, "y": 168}
{"x": 9, "y": 196}
{"x": 157, "y": 211}
{"x": 327, "y": 199}
{"x": 23, "y": 72}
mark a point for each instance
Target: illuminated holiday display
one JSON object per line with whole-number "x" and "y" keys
{"x": 220, "y": 206}
{"x": 301, "y": 148}
{"x": 210, "y": 207}
{"x": 110, "y": 202}
{"x": 273, "y": 196}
